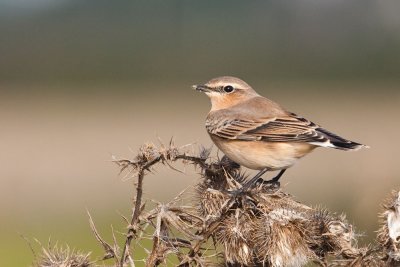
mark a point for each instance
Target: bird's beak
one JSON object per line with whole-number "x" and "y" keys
{"x": 202, "y": 88}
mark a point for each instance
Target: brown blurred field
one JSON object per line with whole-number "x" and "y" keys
{"x": 56, "y": 152}
{"x": 83, "y": 80}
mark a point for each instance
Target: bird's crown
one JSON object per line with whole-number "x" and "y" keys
{"x": 229, "y": 82}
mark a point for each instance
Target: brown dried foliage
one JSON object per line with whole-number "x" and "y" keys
{"x": 227, "y": 226}
{"x": 55, "y": 256}
{"x": 389, "y": 231}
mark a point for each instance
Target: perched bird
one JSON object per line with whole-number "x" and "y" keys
{"x": 258, "y": 133}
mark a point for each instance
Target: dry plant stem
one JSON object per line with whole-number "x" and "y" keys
{"x": 155, "y": 258}
{"x": 139, "y": 192}
{"x": 136, "y": 212}
{"x": 197, "y": 160}
{"x": 152, "y": 260}
{"x": 110, "y": 251}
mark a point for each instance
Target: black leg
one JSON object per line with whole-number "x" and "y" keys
{"x": 253, "y": 180}
{"x": 275, "y": 181}
{"x": 276, "y": 178}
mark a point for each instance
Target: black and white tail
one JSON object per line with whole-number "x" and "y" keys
{"x": 335, "y": 141}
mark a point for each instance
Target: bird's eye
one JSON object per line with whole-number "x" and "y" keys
{"x": 228, "y": 88}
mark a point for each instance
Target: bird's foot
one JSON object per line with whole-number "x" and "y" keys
{"x": 272, "y": 184}
{"x": 249, "y": 184}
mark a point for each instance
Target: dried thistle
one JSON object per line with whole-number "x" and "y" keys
{"x": 245, "y": 233}
{"x": 55, "y": 256}
{"x": 258, "y": 226}
{"x": 234, "y": 235}
{"x": 389, "y": 231}
{"x": 280, "y": 238}
{"x": 267, "y": 227}
{"x": 332, "y": 234}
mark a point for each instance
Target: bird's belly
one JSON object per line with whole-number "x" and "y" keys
{"x": 259, "y": 155}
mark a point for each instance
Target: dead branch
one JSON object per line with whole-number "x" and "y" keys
{"x": 111, "y": 252}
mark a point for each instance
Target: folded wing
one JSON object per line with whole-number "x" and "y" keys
{"x": 289, "y": 128}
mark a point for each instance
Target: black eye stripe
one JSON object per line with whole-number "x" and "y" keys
{"x": 228, "y": 88}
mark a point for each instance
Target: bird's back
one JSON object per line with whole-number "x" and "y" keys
{"x": 254, "y": 108}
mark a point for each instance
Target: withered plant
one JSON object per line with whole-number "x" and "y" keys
{"x": 226, "y": 224}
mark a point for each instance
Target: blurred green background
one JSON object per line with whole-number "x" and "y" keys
{"x": 82, "y": 80}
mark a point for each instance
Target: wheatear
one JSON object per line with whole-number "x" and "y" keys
{"x": 258, "y": 133}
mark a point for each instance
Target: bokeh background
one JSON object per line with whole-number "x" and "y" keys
{"x": 82, "y": 80}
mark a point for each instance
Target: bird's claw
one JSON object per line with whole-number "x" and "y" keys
{"x": 273, "y": 184}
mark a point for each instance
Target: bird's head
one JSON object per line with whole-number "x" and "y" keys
{"x": 226, "y": 91}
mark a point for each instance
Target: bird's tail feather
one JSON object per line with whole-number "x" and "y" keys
{"x": 338, "y": 142}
